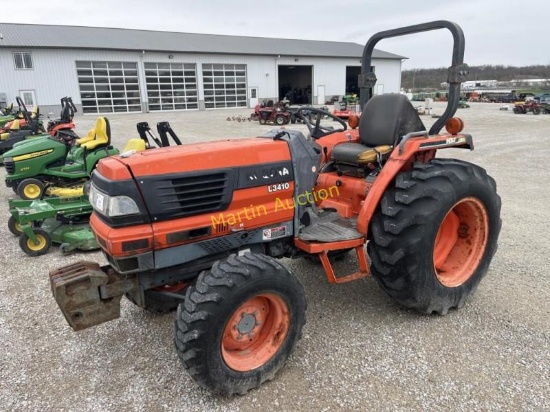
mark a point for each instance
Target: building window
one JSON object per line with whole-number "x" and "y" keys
{"x": 171, "y": 86}
{"x": 224, "y": 85}
{"x": 22, "y": 60}
{"x": 108, "y": 87}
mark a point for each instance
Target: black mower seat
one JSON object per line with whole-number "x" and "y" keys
{"x": 385, "y": 119}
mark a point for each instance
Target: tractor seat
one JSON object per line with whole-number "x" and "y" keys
{"x": 98, "y": 137}
{"x": 358, "y": 154}
{"x": 384, "y": 121}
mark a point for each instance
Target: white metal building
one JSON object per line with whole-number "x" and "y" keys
{"x": 109, "y": 70}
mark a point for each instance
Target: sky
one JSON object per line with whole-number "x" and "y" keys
{"x": 506, "y": 32}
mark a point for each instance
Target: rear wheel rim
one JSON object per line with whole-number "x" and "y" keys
{"x": 255, "y": 332}
{"x": 461, "y": 242}
{"x": 31, "y": 191}
{"x": 37, "y": 247}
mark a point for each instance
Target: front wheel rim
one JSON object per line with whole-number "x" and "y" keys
{"x": 31, "y": 191}
{"x": 255, "y": 332}
{"x": 461, "y": 242}
{"x": 37, "y": 247}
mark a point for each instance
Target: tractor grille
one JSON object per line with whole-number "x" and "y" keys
{"x": 176, "y": 197}
{"x": 9, "y": 166}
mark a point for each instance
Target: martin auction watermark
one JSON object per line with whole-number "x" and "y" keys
{"x": 253, "y": 212}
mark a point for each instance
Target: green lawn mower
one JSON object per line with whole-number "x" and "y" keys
{"x": 7, "y": 114}
{"x": 26, "y": 125}
{"x": 63, "y": 221}
{"x": 58, "y": 161}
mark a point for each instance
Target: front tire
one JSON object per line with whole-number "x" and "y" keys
{"x": 239, "y": 323}
{"x": 30, "y": 189}
{"x": 435, "y": 234}
{"x": 14, "y": 227}
{"x": 36, "y": 249}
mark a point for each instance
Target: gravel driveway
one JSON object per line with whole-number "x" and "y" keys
{"x": 359, "y": 351}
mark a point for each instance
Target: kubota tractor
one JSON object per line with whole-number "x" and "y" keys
{"x": 200, "y": 227}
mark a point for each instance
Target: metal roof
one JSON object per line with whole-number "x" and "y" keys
{"x": 79, "y": 37}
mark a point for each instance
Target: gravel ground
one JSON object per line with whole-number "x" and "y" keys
{"x": 359, "y": 350}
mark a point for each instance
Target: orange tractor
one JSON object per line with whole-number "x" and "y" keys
{"x": 200, "y": 227}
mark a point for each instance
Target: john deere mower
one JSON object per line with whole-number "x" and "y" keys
{"x": 38, "y": 223}
{"x": 7, "y": 114}
{"x": 61, "y": 127}
{"x": 200, "y": 227}
{"x": 57, "y": 161}
{"x": 28, "y": 125}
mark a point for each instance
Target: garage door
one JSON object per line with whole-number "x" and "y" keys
{"x": 108, "y": 87}
{"x": 224, "y": 85}
{"x": 171, "y": 86}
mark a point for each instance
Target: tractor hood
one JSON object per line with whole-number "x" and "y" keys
{"x": 200, "y": 156}
{"x": 188, "y": 180}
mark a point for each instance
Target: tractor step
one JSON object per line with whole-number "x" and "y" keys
{"x": 329, "y": 232}
{"x": 89, "y": 294}
{"x": 330, "y": 228}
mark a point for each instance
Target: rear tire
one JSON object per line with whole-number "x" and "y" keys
{"x": 262, "y": 121}
{"x": 239, "y": 323}
{"x": 434, "y": 235}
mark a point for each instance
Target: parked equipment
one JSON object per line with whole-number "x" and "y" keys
{"x": 345, "y": 108}
{"x": 18, "y": 130}
{"x": 56, "y": 161}
{"x": 7, "y": 114}
{"x": 268, "y": 113}
{"x": 64, "y": 124}
{"x": 64, "y": 221}
{"x": 529, "y": 107}
{"x": 199, "y": 227}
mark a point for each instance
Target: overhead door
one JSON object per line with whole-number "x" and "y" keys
{"x": 108, "y": 87}
{"x": 224, "y": 85}
{"x": 171, "y": 86}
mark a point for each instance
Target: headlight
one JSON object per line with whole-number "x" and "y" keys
{"x": 111, "y": 205}
{"x": 121, "y": 206}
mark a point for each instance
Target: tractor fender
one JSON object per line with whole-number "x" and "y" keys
{"x": 413, "y": 147}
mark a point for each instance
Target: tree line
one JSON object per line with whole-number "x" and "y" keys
{"x": 432, "y": 78}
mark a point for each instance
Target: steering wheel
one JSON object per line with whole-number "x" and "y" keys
{"x": 312, "y": 118}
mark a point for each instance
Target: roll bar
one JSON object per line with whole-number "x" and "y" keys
{"x": 456, "y": 74}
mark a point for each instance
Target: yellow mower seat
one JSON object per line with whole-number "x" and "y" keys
{"x": 89, "y": 137}
{"x": 15, "y": 125}
{"x": 99, "y": 136}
